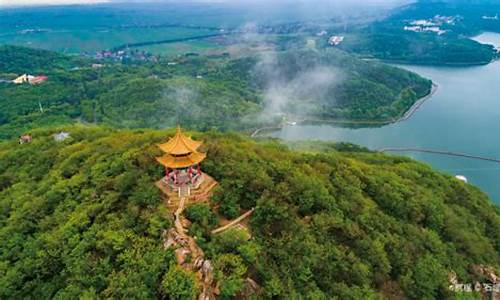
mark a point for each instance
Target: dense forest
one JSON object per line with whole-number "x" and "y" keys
{"x": 205, "y": 92}
{"x": 82, "y": 218}
{"x": 387, "y": 40}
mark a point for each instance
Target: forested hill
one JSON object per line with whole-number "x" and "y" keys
{"x": 201, "y": 92}
{"x": 82, "y": 218}
{"x": 333, "y": 85}
{"x": 20, "y": 60}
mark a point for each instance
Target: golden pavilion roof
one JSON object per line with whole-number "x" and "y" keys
{"x": 180, "y": 152}
{"x": 180, "y": 144}
{"x": 178, "y": 162}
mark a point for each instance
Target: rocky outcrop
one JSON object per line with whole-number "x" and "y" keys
{"x": 485, "y": 271}
{"x": 251, "y": 288}
{"x": 171, "y": 238}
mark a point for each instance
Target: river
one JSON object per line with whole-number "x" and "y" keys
{"x": 463, "y": 116}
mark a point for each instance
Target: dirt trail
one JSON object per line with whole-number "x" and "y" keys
{"x": 234, "y": 222}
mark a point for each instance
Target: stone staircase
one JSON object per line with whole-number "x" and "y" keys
{"x": 184, "y": 192}
{"x": 204, "y": 191}
{"x": 201, "y": 194}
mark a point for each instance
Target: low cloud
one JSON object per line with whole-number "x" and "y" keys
{"x": 178, "y": 103}
{"x": 297, "y": 95}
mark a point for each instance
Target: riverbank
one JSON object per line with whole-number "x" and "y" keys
{"x": 409, "y": 113}
{"x": 356, "y": 123}
{"x": 403, "y": 117}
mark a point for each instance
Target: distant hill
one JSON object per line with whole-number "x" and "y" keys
{"x": 388, "y": 40}
{"x": 82, "y": 218}
{"x": 202, "y": 92}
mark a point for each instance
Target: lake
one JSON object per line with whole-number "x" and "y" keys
{"x": 462, "y": 116}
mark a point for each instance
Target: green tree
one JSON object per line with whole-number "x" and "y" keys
{"x": 229, "y": 271}
{"x": 179, "y": 284}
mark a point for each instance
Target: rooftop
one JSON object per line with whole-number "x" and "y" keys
{"x": 180, "y": 144}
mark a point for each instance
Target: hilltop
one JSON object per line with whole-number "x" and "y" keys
{"x": 221, "y": 92}
{"x": 82, "y": 218}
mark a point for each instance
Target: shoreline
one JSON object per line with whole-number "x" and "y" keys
{"x": 413, "y": 109}
{"x": 406, "y": 115}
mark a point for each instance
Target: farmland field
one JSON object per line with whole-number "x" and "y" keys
{"x": 76, "y": 29}
{"x": 198, "y": 46}
{"x": 84, "y": 40}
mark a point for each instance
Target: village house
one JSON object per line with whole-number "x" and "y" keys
{"x": 24, "y": 139}
{"x": 33, "y": 80}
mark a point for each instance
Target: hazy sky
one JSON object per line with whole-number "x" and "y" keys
{"x": 48, "y": 2}
{"x": 59, "y": 2}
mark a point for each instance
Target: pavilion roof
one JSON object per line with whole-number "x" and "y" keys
{"x": 180, "y": 144}
{"x": 177, "y": 162}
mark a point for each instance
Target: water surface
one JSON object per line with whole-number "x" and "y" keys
{"x": 462, "y": 116}
{"x": 491, "y": 38}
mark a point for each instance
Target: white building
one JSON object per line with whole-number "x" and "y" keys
{"x": 422, "y": 23}
{"x": 322, "y": 33}
{"x": 495, "y": 17}
{"x": 462, "y": 178}
{"x": 335, "y": 40}
{"x": 61, "y": 136}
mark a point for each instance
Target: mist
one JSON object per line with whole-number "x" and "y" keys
{"x": 283, "y": 97}
{"x": 290, "y": 96}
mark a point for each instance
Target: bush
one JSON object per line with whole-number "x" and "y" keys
{"x": 201, "y": 214}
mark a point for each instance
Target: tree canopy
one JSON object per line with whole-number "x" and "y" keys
{"x": 82, "y": 217}
{"x": 203, "y": 93}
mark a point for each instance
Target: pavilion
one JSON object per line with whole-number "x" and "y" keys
{"x": 182, "y": 163}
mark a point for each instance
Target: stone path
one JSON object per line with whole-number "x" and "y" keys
{"x": 198, "y": 264}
